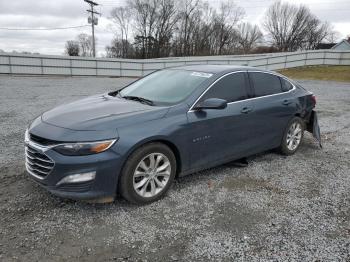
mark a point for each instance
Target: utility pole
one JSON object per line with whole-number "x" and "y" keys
{"x": 93, "y": 21}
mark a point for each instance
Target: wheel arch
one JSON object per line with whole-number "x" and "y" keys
{"x": 164, "y": 141}
{"x": 303, "y": 117}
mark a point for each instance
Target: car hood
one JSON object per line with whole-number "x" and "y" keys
{"x": 101, "y": 112}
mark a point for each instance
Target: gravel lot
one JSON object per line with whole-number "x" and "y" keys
{"x": 277, "y": 209}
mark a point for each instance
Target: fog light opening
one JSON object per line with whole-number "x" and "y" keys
{"x": 77, "y": 178}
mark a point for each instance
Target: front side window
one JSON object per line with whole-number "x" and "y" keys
{"x": 166, "y": 86}
{"x": 265, "y": 84}
{"x": 231, "y": 88}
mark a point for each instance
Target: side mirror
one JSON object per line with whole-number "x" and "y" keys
{"x": 212, "y": 103}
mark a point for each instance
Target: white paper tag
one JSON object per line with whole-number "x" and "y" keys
{"x": 201, "y": 74}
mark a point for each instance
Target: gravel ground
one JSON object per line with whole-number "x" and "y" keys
{"x": 277, "y": 209}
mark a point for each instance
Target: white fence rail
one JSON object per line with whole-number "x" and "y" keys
{"x": 81, "y": 66}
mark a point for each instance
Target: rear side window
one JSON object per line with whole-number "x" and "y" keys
{"x": 231, "y": 88}
{"x": 265, "y": 84}
{"x": 286, "y": 85}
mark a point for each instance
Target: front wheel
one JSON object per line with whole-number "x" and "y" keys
{"x": 293, "y": 136}
{"x": 148, "y": 173}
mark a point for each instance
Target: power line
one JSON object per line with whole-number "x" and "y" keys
{"x": 238, "y": 3}
{"x": 42, "y": 29}
{"x": 259, "y": 7}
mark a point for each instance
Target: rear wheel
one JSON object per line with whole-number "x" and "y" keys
{"x": 148, "y": 173}
{"x": 293, "y": 136}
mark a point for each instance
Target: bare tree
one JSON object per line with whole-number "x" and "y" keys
{"x": 203, "y": 39}
{"x": 85, "y": 44}
{"x": 171, "y": 27}
{"x": 161, "y": 28}
{"x": 165, "y": 23}
{"x": 317, "y": 33}
{"x": 224, "y": 22}
{"x": 248, "y": 36}
{"x": 144, "y": 22}
{"x": 203, "y": 30}
{"x": 333, "y": 35}
{"x": 121, "y": 17}
{"x": 290, "y": 27}
{"x": 188, "y": 18}
{"x": 72, "y": 48}
{"x": 118, "y": 47}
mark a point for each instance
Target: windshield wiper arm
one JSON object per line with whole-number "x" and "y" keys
{"x": 140, "y": 99}
{"x": 115, "y": 93}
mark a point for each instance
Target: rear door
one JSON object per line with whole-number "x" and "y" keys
{"x": 220, "y": 134}
{"x": 273, "y": 106}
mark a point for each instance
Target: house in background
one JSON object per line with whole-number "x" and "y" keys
{"x": 342, "y": 45}
{"x": 325, "y": 46}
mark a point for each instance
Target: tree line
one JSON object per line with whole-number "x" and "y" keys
{"x": 162, "y": 28}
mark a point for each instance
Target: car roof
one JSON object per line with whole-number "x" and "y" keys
{"x": 216, "y": 69}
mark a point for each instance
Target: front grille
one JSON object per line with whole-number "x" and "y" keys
{"x": 42, "y": 141}
{"x": 38, "y": 163}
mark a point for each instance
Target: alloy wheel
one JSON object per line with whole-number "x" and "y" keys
{"x": 294, "y": 136}
{"x": 151, "y": 175}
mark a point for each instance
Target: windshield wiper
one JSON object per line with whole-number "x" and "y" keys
{"x": 140, "y": 99}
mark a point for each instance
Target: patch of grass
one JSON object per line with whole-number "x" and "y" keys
{"x": 326, "y": 73}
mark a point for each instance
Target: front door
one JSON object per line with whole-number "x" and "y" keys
{"x": 219, "y": 134}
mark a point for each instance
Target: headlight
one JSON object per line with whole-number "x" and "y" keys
{"x": 26, "y": 136}
{"x": 84, "y": 148}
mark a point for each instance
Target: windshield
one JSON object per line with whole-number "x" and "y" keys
{"x": 165, "y": 86}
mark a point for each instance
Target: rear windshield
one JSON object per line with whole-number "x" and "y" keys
{"x": 166, "y": 86}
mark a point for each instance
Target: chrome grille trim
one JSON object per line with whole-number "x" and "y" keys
{"x": 33, "y": 169}
{"x": 32, "y": 173}
{"x": 38, "y": 158}
{"x": 38, "y": 164}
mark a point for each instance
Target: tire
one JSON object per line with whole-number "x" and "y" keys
{"x": 292, "y": 138}
{"x": 143, "y": 181}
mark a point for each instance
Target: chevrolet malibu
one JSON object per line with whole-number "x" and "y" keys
{"x": 173, "y": 122}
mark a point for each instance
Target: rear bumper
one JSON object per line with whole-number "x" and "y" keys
{"x": 314, "y": 128}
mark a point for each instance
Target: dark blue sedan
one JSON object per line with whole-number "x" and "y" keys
{"x": 173, "y": 122}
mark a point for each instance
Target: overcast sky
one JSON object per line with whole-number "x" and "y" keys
{"x": 65, "y": 13}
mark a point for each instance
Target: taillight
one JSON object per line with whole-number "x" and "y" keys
{"x": 313, "y": 99}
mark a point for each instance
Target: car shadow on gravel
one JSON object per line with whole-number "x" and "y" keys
{"x": 228, "y": 175}
{"x": 308, "y": 146}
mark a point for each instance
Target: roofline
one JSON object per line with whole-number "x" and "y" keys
{"x": 226, "y": 68}
{"x": 344, "y": 40}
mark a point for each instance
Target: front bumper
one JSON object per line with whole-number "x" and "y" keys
{"x": 107, "y": 166}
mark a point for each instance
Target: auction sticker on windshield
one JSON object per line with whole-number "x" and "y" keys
{"x": 201, "y": 74}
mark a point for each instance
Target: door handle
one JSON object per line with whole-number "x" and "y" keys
{"x": 286, "y": 102}
{"x": 246, "y": 110}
